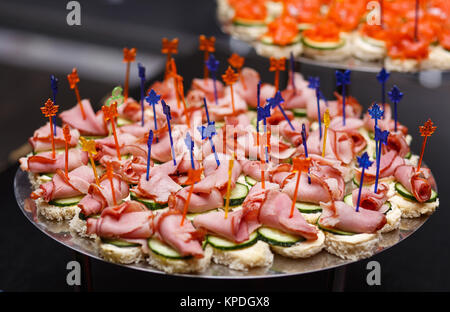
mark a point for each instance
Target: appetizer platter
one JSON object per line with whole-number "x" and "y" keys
{"x": 400, "y": 35}
{"x": 235, "y": 178}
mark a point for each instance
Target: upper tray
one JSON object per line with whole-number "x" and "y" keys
{"x": 282, "y": 266}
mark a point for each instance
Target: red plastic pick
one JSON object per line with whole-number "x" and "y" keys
{"x": 49, "y": 110}
{"x": 73, "y": 82}
{"x": 426, "y": 130}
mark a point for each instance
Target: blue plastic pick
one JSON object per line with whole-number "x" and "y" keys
{"x": 292, "y": 63}
{"x": 395, "y": 95}
{"x": 305, "y": 146}
{"x": 364, "y": 163}
{"x": 376, "y": 113}
{"x": 213, "y": 65}
{"x": 149, "y": 145}
{"x": 141, "y": 70}
{"x": 190, "y": 145}
{"x": 343, "y": 79}
{"x": 314, "y": 83}
{"x": 54, "y": 86}
{"x": 380, "y": 137}
{"x": 209, "y": 131}
{"x": 153, "y": 99}
{"x": 166, "y": 111}
{"x": 276, "y": 101}
{"x": 258, "y": 105}
{"x": 382, "y": 77}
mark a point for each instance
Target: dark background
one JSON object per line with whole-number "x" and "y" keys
{"x": 35, "y": 42}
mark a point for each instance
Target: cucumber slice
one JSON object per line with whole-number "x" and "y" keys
{"x": 248, "y": 23}
{"x": 224, "y": 244}
{"x": 326, "y": 45}
{"x": 64, "y": 202}
{"x": 406, "y": 194}
{"x": 119, "y": 242}
{"x": 278, "y": 238}
{"x": 348, "y": 199}
{"x": 374, "y": 42}
{"x": 334, "y": 231}
{"x": 164, "y": 250}
{"x": 250, "y": 180}
{"x": 408, "y": 156}
{"x": 237, "y": 195}
{"x": 191, "y": 216}
{"x": 357, "y": 182}
{"x": 308, "y": 207}
{"x": 150, "y": 203}
{"x": 299, "y": 112}
{"x": 82, "y": 216}
{"x": 123, "y": 122}
{"x": 371, "y": 135}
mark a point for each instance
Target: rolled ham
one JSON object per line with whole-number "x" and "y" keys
{"x": 42, "y": 141}
{"x": 159, "y": 187}
{"x": 93, "y": 124}
{"x": 45, "y": 163}
{"x": 419, "y": 183}
{"x": 371, "y": 200}
{"x": 388, "y": 164}
{"x": 199, "y": 202}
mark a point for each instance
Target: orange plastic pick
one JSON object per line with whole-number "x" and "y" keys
{"x": 169, "y": 47}
{"x": 277, "y": 65}
{"x": 237, "y": 62}
{"x": 194, "y": 176}
{"x": 67, "y": 138}
{"x": 207, "y": 46}
{"x": 89, "y": 147}
{"x": 173, "y": 73}
{"x": 179, "y": 90}
{"x": 230, "y": 77}
{"x": 110, "y": 113}
{"x": 73, "y": 81}
{"x": 230, "y": 170}
{"x": 299, "y": 165}
{"x": 110, "y": 175}
{"x": 129, "y": 55}
{"x": 49, "y": 110}
{"x": 326, "y": 122}
{"x": 426, "y": 130}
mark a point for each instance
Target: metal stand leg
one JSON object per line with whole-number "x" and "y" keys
{"x": 86, "y": 277}
{"x": 338, "y": 279}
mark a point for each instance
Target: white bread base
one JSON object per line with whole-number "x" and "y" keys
{"x": 393, "y": 218}
{"x": 193, "y": 265}
{"x": 79, "y": 226}
{"x": 247, "y": 33}
{"x": 311, "y": 217}
{"x": 277, "y": 51}
{"x": 412, "y": 209}
{"x": 303, "y": 249}
{"x": 365, "y": 51}
{"x": 352, "y": 247}
{"x": 402, "y": 65}
{"x": 122, "y": 255}
{"x": 257, "y": 255}
{"x": 438, "y": 58}
{"x": 55, "y": 213}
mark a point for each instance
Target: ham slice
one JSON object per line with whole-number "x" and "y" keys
{"x": 159, "y": 187}
{"x": 293, "y": 136}
{"x": 131, "y": 110}
{"x": 386, "y": 123}
{"x": 339, "y": 145}
{"x": 199, "y": 202}
{"x": 419, "y": 183}
{"x": 352, "y": 108}
{"x": 129, "y": 169}
{"x": 338, "y": 215}
{"x": 397, "y": 141}
{"x": 247, "y": 86}
{"x": 42, "y": 141}
{"x": 275, "y": 212}
{"x": 184, "y": 238}
{"x": 224, "y": 107}
{"x": 371, "y": 200}
{"x": 45, "y": 163}
{"x": 301, "y": 96}
{"x": 101, "y": 197}
{"x": 388, "y": 164}
{"x": 207, "y": 87}
{"x": 61, "y": 187}
{"x": 129, "y": 220}
{"x": 315, "y": 192}
{"x": 93, "y": 124}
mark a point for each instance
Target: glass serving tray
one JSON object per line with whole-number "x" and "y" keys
{"x": 281, "y": 266}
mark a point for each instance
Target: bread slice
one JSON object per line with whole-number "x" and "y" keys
{"x": 277, "y": 51}
{"x": 257, "y": 255}
{"x": 352, "y": 247}
{"x": 55, "y": 213}
{"x": 192, "y": 265}
{"x": 78, "y": 225}
{"x": 311, "y": 217}
{"x": 122, "y": 255}
{"x": 412, "y": 209}
{"x": 303, "y": 249}
{"x": 393, "y": 218}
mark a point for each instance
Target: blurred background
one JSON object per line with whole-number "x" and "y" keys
{"x": 36, "y": 42}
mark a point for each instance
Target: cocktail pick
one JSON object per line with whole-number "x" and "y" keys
{"x": 67, "y": 138}
{"x": 376, "y": 113}
{"x": 416, "y": 21}
{"x": 149, "y": 146}
{"x": 110, "y": 113}
{"x": 230, "y": 77}
{"x": 343, "y": 79}
{"x": 179, "y": 91}
{"x": 382, "y": 77}
{"x": 292, "y": 67}
{"x": 276, "y": 102}
{"x": 314, "y": 83}
{"x": 190, "y": 145}
{"x": 277, "y": 65}
{"x": 208, "y": 132}
{"x": 262, "y": 113}
{"x": 89, "y": 147}
{"x": 166, "y": 111}
{"x": 173, "y": 74}
{"x": 49, "y": 110}
{"x": 169, "y": 47}
{"x": 213, "y": 65}
{"x": 326, "y": 122}
{"x": 258, "y": 104}
{"x": 73, "y": 82}
{"x": 194, "y": 175}
{"x": 54, "y": 85}
{"x": 153, "y": 99}
{"x": 395, "y": 95}
{"x": 364, "y": 163}
{"x": 305, "y": 146}
{"x": 110, "y": 175}
{"x": 380, "y": 137}
{"x": 141, "y": 70}
{"x": 299, "y": 165}
{"x": 207, "y": 46}
{"x": 129, "y": 55}
{"x": 426, "y": 130}
{"x": 237, "y": 61}
{"x": 116, "y": 96}
{"x": 230, "y": 171}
